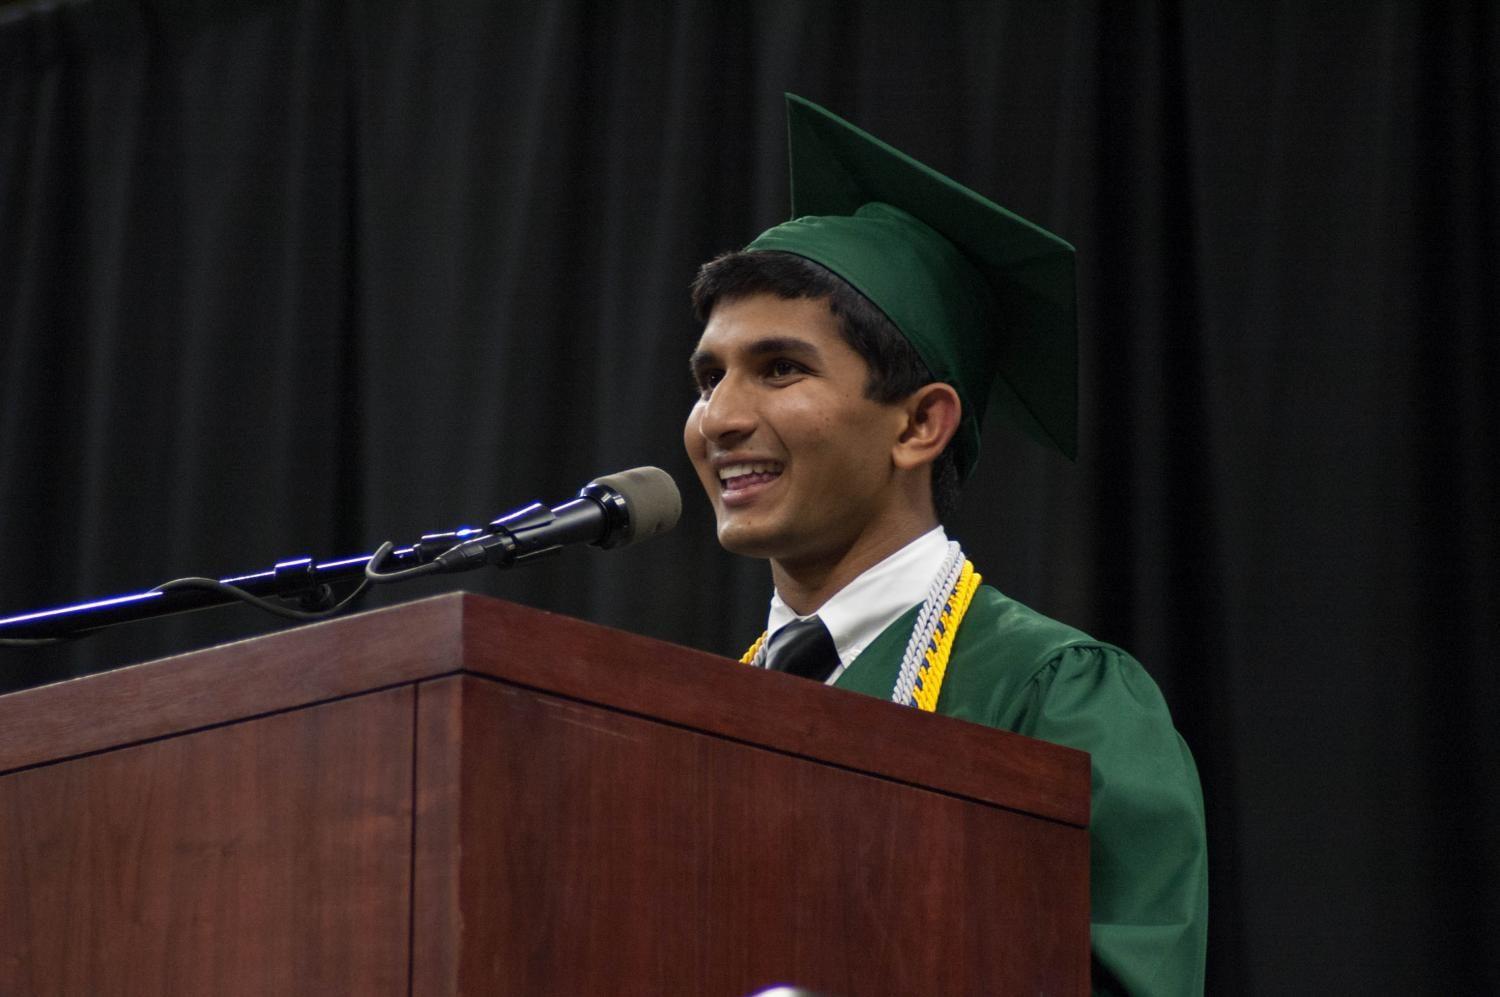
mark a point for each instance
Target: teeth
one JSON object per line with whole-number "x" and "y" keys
{"x": 755, "y": 467}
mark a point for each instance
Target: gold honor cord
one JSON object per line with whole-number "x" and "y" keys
{"x": 939, "y": 643}
{"x": 748, "y": 658}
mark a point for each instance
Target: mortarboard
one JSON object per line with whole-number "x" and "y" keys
{"x": 984, "y": 296}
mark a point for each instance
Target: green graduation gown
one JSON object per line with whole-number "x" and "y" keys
{"x": 1015, "y": 669}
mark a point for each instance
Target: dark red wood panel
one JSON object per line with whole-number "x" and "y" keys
{"x": 265, "y": 857}
{"x": 607, "y": 853}
{"x": 438, "y": 930}
{"x": 292, "y": 668}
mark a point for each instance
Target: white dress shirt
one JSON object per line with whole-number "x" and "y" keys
{"x": 860, "y": 611}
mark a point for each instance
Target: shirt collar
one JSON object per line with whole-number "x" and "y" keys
{"x": 861, "y": 611}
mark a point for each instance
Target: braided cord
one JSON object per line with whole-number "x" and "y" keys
{"x": 756, "y": 650}
{"x": 940, "y": 646}
{"x": 927, "y": 620}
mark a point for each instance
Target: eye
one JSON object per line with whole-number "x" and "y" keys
{"x": 782, "y": 368}
{"x": 704, "y": 381}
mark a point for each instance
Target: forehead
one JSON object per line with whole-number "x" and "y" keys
{"x": 756, "y": 320}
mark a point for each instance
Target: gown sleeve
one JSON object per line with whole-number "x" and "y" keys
{"x": 1148, "y": 853}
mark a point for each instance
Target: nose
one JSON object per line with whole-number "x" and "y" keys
{"x": 728, "y": 414}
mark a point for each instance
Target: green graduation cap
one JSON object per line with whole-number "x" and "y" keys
{"x": 984, "y": 296}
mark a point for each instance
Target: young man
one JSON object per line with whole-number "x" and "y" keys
{"x": 844, "y": 367}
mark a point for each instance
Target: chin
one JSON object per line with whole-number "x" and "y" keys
{"x": 747, "y": 540}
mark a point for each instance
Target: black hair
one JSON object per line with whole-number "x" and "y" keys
{"x": 896, "y": 370}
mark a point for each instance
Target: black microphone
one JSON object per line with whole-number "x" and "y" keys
{"x": 612, "y": 511}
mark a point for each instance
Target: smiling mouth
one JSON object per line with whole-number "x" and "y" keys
{"x": 737, "y": 477}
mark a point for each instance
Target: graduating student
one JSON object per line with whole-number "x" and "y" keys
{"x": 846, "y": 364}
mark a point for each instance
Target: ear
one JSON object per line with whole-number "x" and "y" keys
{"x": 932, "y": 412}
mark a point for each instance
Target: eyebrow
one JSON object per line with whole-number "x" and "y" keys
{"x": 771, "y": 344}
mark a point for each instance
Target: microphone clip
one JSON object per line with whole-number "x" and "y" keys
{"x": 503, "y": 543}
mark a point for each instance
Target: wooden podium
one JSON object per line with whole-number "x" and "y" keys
{"x": 461, "y": 795}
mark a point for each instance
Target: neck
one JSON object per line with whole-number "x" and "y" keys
{"x": 805, "y": 587}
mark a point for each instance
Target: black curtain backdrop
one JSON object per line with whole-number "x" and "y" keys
{"x": 285, "y": 278}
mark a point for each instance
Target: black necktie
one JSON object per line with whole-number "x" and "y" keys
{"x": 805, "y": 648}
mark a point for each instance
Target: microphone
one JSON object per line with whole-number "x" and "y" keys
{"x": 613, "y": 511}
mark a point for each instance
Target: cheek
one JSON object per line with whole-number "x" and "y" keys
{"x": 857, "y": 440}
{"x": 836, "y": 421}
{"x": 692, "y": 436}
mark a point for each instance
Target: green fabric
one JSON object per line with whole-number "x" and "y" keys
{"x": 1017, "y": 670}
{"x": 986, "y": 298}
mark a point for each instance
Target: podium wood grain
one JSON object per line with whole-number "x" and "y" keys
{"x": 624, "y": 855}
{"x": 189, "y": 865}
{"x": 465, "y": 796}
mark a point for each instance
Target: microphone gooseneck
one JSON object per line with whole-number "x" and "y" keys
{"x": 612, "y": 511}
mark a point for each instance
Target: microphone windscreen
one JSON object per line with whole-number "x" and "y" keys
{"x": 652, "y": 498}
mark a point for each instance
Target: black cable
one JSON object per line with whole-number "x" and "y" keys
{"x": 374, "y": 574}
{"x": 286, "y": 612}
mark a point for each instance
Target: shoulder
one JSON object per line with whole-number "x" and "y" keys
{"x": 996, "y": 617}
{"x": 1007, "y": 654}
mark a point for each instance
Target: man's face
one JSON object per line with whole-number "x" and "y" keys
{"x": 794, "y": 457}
